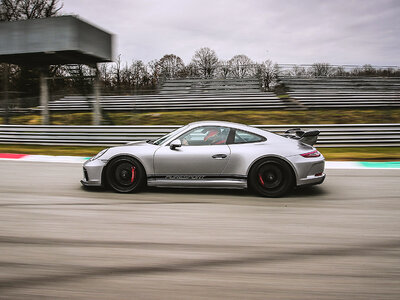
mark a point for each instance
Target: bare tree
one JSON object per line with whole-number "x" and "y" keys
{"x": 298, "y": 71}
{"x": 241, "y": 66}
{"x": 154, "y": 71}
{"x": 206, "y": 61}
{"x": 138, "y": 72}
{"x": 105, "y": 74}
{"x": 116, "y": 70}
{"x": 12, "y": 10}
{"x": 339, "y": 71}
{"x": 268, "y": 73}
{"x": 191, "y": 70}
{"x": 126, "y": 77}
{"x": 224, "y": 69}
{"x": 321, "y": 69}
{"x": 171, "y": 66}
{"x": 368, "y": 70}
{"x": 81, "y": 77}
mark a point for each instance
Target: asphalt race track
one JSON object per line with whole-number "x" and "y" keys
{"x": 340, "y": 240}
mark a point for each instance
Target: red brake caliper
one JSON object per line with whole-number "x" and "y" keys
{"x": 261, "y": 180}
{"x": 133, "y": 174}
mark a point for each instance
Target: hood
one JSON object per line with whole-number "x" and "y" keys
{"x": 137, "y": 143}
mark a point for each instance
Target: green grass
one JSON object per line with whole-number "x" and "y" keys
{"x": 51, "y": 150}
{"x": 252, "y": 117}
{"x": 356, "y": 153}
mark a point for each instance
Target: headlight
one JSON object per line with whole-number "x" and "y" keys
{"x": 99, "y": 154}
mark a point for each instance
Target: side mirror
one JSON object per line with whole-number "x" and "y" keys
{"x": 175, "y": 144}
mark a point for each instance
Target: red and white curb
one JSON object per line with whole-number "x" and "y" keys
{"x": 81, "y": 160}
{"x": 43, "y": 158}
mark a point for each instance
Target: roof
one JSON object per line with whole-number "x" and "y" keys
{"x": 230, "y": 124}
{"x": 56, "y": 40}
{"x": 213, "y": 122}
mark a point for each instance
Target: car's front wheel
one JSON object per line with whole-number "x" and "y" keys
{"x": 124, "y": 174}
{"x": 271, "y": 177}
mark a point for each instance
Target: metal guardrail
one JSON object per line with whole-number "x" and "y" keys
{"x": 344, "y": 135}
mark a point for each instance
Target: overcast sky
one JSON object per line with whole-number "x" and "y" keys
{"x": 286, "y": 31}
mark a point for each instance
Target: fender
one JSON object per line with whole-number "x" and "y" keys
{"x": 273, "y": 156}
{"x": 103, "y": 172}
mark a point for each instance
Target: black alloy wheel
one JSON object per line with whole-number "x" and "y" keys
{"x": 124, "y": 174}
{"x": 271, "y": 178}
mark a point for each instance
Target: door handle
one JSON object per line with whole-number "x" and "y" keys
{"x": 219, "y": 156}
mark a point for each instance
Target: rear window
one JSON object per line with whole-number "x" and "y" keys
{"x": 246, "y": 137}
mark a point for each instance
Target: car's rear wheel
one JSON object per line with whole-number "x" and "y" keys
{"x": 271, "y": 177}
{"x": 124, "y": 174}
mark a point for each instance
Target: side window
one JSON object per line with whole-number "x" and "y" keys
{"x": 246, "y": 137}
{"x": 205, "y": 135}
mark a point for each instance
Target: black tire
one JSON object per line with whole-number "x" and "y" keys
{"x": 271, "y": 177}
{"x": 125, "y": 174}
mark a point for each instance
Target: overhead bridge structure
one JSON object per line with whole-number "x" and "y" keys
{"x": 39, "y": 43}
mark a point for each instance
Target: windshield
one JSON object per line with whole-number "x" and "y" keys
{"x": 166, "y": 137}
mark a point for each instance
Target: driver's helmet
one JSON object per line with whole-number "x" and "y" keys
{"x": 211, "y": 135}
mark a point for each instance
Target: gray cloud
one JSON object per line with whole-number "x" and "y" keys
{"x": 291, "y": 31}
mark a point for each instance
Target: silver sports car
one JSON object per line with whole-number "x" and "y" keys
{"x": 211, "y": 154}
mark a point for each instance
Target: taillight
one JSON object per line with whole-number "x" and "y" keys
{"x": 311, "y": 154}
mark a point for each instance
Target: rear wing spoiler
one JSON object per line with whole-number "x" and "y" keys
{"x": 308, "y": 137}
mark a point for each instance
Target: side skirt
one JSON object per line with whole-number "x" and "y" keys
{"x": 197, "y": 181}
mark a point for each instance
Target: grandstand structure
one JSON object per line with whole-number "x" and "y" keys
{"x": 298, "y": 92}
{"x": 343, "y": 92}
{"x": 184, "y": 94}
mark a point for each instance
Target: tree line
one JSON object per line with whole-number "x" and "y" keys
{"x": 328, "y": 70}
{"x": 205, "y": 63}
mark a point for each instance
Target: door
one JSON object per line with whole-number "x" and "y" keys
{"x": 203, "y": 152}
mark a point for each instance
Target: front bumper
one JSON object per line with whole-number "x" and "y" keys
{"x": 92, "y": 172}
